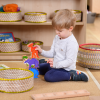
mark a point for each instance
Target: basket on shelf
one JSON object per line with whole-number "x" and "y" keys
{"x": 77, "y": 13}
{"x": 89, "y": 55}
{"x": 7, "y": 47}
{"x": 25, "y": 43}
{"x": 10, "y": 16}
{"x": 16, "y": 80}
{"x": 35, "y": 17}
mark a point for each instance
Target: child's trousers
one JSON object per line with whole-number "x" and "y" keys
{"x": 52, "y": 74}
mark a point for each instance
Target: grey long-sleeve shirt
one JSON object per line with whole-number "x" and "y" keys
{"x": 64, "y": 52}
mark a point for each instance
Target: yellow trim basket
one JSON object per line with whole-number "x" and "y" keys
{"x": 35, "y": 17}
{"x": 77, "y": 13}
{"x": 16, "y": 80}
{"x": 8, "y": 47}
{"x": 10, "y": 16}
{"x": 25, "y": 48}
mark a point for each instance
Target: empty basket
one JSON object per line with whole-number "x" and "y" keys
{"x": 16, "y": 80}
{"x": 89, "y": 55}
{"x": 35, "y": 17}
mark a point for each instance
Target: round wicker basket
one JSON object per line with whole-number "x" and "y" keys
{"x": 89, "y": 55}
{"x": 16, "y": 80}
{"x": 77, "y": 13}
{"x": 35, "y": 17}
{"x": 10, "y": 16}
{"x": 25, "y": 48}
{"x": 7, "y": 47}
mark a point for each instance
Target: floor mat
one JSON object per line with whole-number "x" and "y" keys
{"x": 94, "y": 98}
{"x": 41, "y": 86}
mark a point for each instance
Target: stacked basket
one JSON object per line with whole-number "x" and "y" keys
{"x": 89, "y": 55}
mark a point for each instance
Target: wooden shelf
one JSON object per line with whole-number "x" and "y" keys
{"x": 27, "y": 23}
{"x": 18, "y": 55}
{"x": 42, "y": 31}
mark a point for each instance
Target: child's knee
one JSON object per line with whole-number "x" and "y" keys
{"x": 47, "y": 77}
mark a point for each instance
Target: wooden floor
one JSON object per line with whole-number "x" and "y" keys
{"x": 93, "y": 32}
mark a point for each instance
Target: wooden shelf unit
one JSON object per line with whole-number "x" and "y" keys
{"x": 42, "y": 31}
{"x": 94, "y": 6}
{"x": 26, "y": 23}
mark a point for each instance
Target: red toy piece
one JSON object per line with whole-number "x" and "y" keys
{"x": 34, "y": 52}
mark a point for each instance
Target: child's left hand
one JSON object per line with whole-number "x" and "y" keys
{"x": 50, "y": 61}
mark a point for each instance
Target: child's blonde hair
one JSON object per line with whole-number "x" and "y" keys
{"x": 64, "y": 18}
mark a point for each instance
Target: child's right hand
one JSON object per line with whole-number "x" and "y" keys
{"x": 38, "y": 48}
{"x": 50, "y": 61}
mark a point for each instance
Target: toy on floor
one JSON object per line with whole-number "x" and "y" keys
{"x": 2, "y": 66}
{"x": 34, "y": 53}
{"x": 24, "y": 57}
{"x": 35, "y": 71}
{"x": 32, "y": 64}
{"x": 58, "y": 95}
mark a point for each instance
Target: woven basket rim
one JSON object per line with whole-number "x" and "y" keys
{"x": 16, "y": 92}
{"x": 13, "y": 42}
{"x": 80, "y": 46}
{"x": 10, "y": 12}
{"x": 10, "y": 21}
{"x": 17, "y": 78}
{"x": 41, "y": 43}
{"x": 35, "y": 22}
{"x": 34, "y": 13}
{"x": 76, "y": 11}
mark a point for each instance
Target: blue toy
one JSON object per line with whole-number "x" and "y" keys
{"x": 33, "y": 65}
{"x": 35, "y": 71}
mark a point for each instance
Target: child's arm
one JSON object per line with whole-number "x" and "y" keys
{"x": 71, "y": 56}
{"x": 50, "y": 53}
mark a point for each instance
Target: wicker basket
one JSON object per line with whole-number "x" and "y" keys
{"x": 35, "y": 17}
{"x": 7, "y": 47}
{"x": 25, "y": 48}
{"x": 10, "y": 16}
{"x": 89, "y": 56}
{"x": 16, "y": 80}
{"x": 77, "y": 13}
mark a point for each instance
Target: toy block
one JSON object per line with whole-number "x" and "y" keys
{"x": 59, "y": 95}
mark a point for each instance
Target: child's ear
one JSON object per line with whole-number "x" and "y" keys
{"x": 71, "y": 28}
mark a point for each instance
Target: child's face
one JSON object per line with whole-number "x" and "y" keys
{"x": 63, "y": 33}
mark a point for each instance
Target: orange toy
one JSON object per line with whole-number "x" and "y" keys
{"x": 10, "y": 8}
{"x": 34, "y": 52}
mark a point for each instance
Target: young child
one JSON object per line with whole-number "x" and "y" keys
{"x": 64, "y": 51}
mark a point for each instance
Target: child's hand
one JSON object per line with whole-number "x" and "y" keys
{"x": 38, "y": 48}
{"x": 50, "y": 61}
